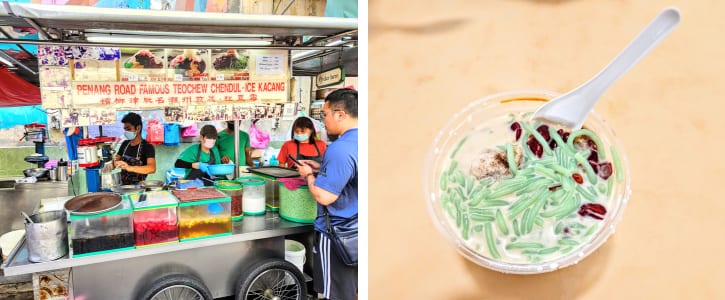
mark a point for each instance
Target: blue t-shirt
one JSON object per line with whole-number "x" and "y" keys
{"x": 338, "y": 175}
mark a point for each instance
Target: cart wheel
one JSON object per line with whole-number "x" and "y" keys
{"x": 177, "y": 286}
{"x": 272, "y": 279}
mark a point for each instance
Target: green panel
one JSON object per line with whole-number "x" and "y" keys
{"x": 308, "y": 221}
{"x": 166, "y": 157}
{"x": 254, "y": 214}
{"x": 103, "y": 252}
{"x": 12, "y": 163}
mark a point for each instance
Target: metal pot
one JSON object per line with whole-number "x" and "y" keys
{"x": 152, "y": 185}
{"x": 47, "y": 236}
{"x": 36, "y": 172}
{"x": 110, "y": 180}
{"x": 61, "y": 173}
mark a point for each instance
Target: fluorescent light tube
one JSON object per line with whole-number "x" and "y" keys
{"x": 303, "y": 54}
{"x": 150, "y": 34}
{"x": 174, "y": 41}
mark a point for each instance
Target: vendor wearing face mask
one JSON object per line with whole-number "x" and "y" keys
{"x": 303, "y": 145}
{"x": 204, "y": 152}
{"x": 225, "y": 143}
{"x": 136, "y": 156}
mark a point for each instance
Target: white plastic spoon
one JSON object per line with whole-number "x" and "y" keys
{"x": 572, "y": 108}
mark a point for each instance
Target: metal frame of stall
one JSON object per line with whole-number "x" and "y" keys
{"x": 218, "y": 262}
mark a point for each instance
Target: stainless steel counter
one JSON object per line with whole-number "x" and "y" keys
{"x": 25, "y": 197}
{"x": 250, "y": 228}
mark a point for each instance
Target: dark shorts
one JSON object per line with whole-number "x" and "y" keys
{"x": 333, "y": 279}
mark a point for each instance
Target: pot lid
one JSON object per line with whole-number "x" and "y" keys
{"x": 93, "y": 203}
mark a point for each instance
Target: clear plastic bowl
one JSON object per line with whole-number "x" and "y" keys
{"x": 466, "y": 122}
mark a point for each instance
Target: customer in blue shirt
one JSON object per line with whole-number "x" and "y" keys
{"x": 335, "y": 187}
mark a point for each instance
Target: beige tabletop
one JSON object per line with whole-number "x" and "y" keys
{"x": 428, "y": 59}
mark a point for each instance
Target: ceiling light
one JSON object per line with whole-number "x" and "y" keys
{"x": 175, "y": 41}
{"x": 303, "y": 54}
{"x": 145, "y": 33}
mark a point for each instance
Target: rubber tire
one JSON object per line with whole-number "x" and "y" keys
{"x": 177, "y": 279}
{"x": 245, "y": 280}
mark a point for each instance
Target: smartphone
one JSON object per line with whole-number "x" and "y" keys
{"x": 294, "y": 160}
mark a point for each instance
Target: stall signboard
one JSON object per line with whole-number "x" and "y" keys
{"x": 182, "y": 93}
{"x": 330, "y": 77}
{"x": 89, "y": 85}
{"x": 94, "y": 77}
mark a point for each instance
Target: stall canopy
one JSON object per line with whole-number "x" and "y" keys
{"x": 15, "y": 91}
{"x": 317, "y": 43}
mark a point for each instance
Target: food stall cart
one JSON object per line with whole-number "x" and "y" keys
{"x": 238, "y": 264}
{"x": 221, "y": 266}
{"x": 250, "y": 259}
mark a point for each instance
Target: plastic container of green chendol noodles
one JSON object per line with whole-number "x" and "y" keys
{"x": 559, "y": 202}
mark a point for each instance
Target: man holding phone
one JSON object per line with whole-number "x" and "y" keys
{"x": 336, "y": 188}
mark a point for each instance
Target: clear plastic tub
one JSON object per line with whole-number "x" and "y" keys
{"x": 234, "y": 190}
{"x": 203, "y": 213}
{"x": 543, "y": 217}
{"x": 105, "y": 232}
{"x": 297, "y": 205}
{"x": 253, "y": 198}
{"x": 271, "y": 192}
{"x": 154, "y": 219}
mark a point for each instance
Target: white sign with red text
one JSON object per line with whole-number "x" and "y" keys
{"x": 162, "y": 94}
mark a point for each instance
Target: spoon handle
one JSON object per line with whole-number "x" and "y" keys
{"x": 645, "y": 41}
{"x": 27, "y": 218}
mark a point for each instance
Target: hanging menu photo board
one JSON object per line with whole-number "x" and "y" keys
{"x": 158, "y": 78}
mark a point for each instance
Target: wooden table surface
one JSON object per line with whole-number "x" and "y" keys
{"x": 428, "y": 59}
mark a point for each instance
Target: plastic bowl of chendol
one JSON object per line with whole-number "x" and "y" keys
{"x": 517, "y": 195}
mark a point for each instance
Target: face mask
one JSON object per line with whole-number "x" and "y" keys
{"x": 302, "y": 137}
{"x": 130, "y": 135}
{"x": 209, "y": 143}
